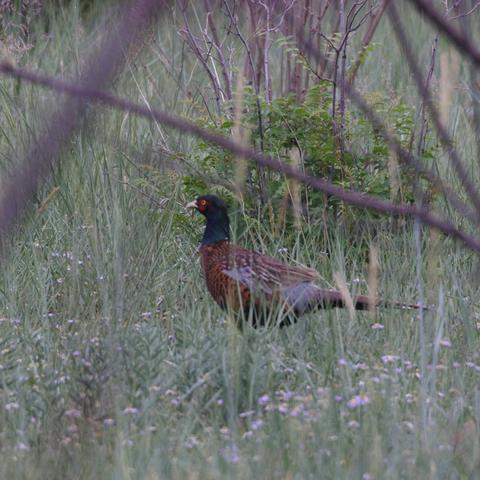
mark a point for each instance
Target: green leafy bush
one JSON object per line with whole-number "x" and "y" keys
{"x": 307, "y": 128}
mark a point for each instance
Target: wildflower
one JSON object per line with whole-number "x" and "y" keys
{"x": 264, "y": 399}
{"x": 285, "y": 396}
{"x": 22, "y": 447}
{"x": 342, "y": 362}
{"x": 108, "y": 422}
{"x": 389, "y": 358}
{"x": 192, "y": 442}
{"x": 296, "y": 411}
{"x": 220, "y": 401}
{"x": 72, "y": 428}
{"x": 246, "y": 414}
{"x": 256, "y": 424}
{"x": 130, "y": 411}
{"x": 353, "y": 424}
{"x": 283, "y": 408}
{"x": 360, "y": 366}
{"x": 230, "y": 454}
{"x": 445, "y": 342}
{"x": 358, "y": 401}
{"x": 12, "y": 406}
{"x": 377, "y": 326}
{"x": 73, "y": 413}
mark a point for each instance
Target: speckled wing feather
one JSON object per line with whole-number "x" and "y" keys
{"x": 264, "y": 275}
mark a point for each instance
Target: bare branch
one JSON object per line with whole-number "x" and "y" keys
{"x": 21, "y": 186}
{"x": 354, "y": 198}
{"x": 447, "y": 143}
{"x": 405, "y": 156}
{"x": 462, "y": 15}
{"x": 457, "y": 37}
{"x": 192, "y": 43}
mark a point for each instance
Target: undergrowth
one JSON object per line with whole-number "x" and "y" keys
{"x": 116, "y": 363}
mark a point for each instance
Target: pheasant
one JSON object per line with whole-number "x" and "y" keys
{"x": 257, "y": 285}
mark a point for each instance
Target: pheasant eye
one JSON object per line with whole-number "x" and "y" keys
{"x": 202, "y": 205}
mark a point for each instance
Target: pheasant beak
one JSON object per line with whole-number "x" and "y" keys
{"x": 193, "y": 204}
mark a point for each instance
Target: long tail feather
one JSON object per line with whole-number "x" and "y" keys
{"x": 306, "y": 296}
{"x": 324, "y": 298}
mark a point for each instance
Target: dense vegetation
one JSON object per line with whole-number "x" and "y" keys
{"x": 114, "y": 360}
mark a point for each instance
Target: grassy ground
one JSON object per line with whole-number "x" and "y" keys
{"x": 115, "y": 363}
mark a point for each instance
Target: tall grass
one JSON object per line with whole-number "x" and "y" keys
{"x": 116, "y": 363}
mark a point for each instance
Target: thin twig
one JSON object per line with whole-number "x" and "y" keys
{"x": 44, "y": 155}
{"x": 462, "y": 15}
{"x": 457, "y": 37}
{"x": 403, "y": 155}
{"x": 446, "y": 141}
{"x": 352, "y": 197}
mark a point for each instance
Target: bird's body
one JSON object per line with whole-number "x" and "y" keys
{"x": 261, "y": 288}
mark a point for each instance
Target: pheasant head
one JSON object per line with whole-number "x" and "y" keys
{"x": 217, "y": 228}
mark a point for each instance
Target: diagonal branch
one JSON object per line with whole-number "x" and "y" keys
{"x": 458, "y": 38}
{"x": 422, "y": 87}
{"x": 354, "y": 198}
{"x": 20, "y": 187}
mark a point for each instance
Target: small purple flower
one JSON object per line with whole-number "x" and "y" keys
{"x": 296, "y": 411}
{"x": 73, "y": 413}
{"x": 358, "y": 401}
{"x": 130, "y": 411}
{"x": 256, "y": 424}
{"x": 360, "y": 366}
{"x": 390, "y": 358}
{"x": 12, "y": 406}
{"x": 377, "y": 326}
{"x": 353, "y": 424}
{"x": 246, "y": 414}
{"x": 108, "y": 422}
{"x": 230, "y": 454}
{"x": 264, "y": 399}
{"x": 285, "y": 396}
{"x": 409, "y": 398}
{"x": 342, "y": 362}
{"x": 445, "y": 342}
{"x": 408, "y": 364}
